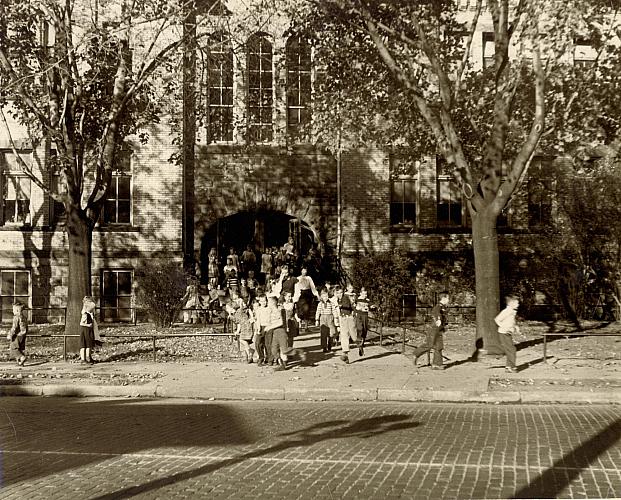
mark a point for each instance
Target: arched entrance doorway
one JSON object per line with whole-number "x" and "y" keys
{"x": 261, "y": 228}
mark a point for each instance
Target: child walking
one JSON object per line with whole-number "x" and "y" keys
{"x": 324, "y": 319}
{"x": 261, "y": 319}
{"x": 292, "y": 320}
{"x": 434, "y": 339}
{"x": 506, "y": 327}
{"x": 17, "y": 334}
{"x": 244, "y": 319}
{"x": 361, "y": 314}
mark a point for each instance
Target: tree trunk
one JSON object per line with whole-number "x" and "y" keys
{"x": 485, "y": 244}
{"x": 79, "y": 234}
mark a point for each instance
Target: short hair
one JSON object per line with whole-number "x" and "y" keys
{"x": 441, "y": 295}
{"x": 17, "y": 303}
{"x": 511, "y": 297}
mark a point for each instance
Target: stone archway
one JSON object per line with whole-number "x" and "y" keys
{"x": 264, "y": 228}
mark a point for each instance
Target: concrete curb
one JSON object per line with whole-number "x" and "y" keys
{"x": 324, "y": 394}
{"x": 312, "y": 394}
{"x": 234, "y": 393}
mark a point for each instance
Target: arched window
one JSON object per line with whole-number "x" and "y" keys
{"x": 220, "y": 89}
{"x": 298, "y": 60}
{"x": 260, "y": 89}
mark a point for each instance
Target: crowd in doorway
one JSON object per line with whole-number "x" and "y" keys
{"x": 247, "y": 275}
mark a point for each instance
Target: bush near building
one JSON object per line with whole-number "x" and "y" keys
{"x": 161, "y": 287}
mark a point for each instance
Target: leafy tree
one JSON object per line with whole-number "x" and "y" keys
{"x": 80, "y": 77}
{"x": 421, "y": 89}
{"x": 589, "y": 222}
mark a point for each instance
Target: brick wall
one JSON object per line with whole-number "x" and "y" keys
{"x": 155, "y": 232}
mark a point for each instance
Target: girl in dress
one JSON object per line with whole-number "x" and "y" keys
{"x": 303, "y": 296}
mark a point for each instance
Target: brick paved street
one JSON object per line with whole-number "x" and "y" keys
{"x": 87, "y": 448}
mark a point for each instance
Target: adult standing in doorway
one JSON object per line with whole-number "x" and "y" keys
{"x": 303, "y": 295}
{"x": 248, "y": 260}
{"x": 266, "y": 265}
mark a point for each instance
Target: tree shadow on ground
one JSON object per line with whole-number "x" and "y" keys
{"x": 566, "y": 469}
{"x": 375, "y": 356}
{"x": 363, "y": 428}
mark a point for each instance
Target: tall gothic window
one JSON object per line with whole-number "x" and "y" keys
{"x": 298, "y": 63}
{"x": 260, "y": 89}
{"x": 220, "y": 89}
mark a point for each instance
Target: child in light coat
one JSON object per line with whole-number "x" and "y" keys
{"x": 17, "y": 334}
{"x": 506, "y": 327}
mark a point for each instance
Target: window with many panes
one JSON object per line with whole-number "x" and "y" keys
{"x": 118, "y": 203}
{"x": 14, "y": 287}
{"x": 449, "y": 203}
{"x": 403, "y": 202}
{"x": 116, "y": 294}
{"x": 260, "y": 88}
{"x": 403, "y": 189}
{"x": 540, "y": 193}
{"x": 220, "y": 89}
{"x": 15, "y": 189}
{"x": 298, "y": 62}
{"x": 489, "y": 49}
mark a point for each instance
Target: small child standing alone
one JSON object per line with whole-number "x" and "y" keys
{"x": 506, "y": 327}
{"x": 87, "y": 330}
{"x": 17, "y": 334}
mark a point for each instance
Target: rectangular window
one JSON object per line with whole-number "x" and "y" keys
{"x": 117, "y": 207}
{"x": 15, "y": 189}
{"x": 489, "y": 49}
{"x": 449, "y": 202}
{"x": 116, "y": 295}
{"x": 403, "y": 202}
{"x": 540, "y": 193}
{"x": 14, "y": 287}
{"x": 58, "y": 214}
{"x": 584, "y": 53}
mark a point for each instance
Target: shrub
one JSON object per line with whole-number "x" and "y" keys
{"x": 161, "y": 286}
{"x": 386, "y": 276}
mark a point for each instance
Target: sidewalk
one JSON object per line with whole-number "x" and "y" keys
{"x": 381, "y": 375}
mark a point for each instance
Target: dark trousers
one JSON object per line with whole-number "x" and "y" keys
{"x": 506, "y": 342}
{"x": 259, "y": 345}
{"x": 362, "y": 325}
{"x": 268, "y": 345}
{"x": 435, "y": 342}
{"x": 293, "y": 329}
{"x": 326, "y": 340}
{"x": 18, "y": 346}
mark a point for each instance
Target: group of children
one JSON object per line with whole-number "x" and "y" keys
{"x": 266, "y": 328}
{"x": 89, "y": 332}
{"x": 342, "y": 315}
{"x": 267, "y": 324}
{"x": 505, "y": 320}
